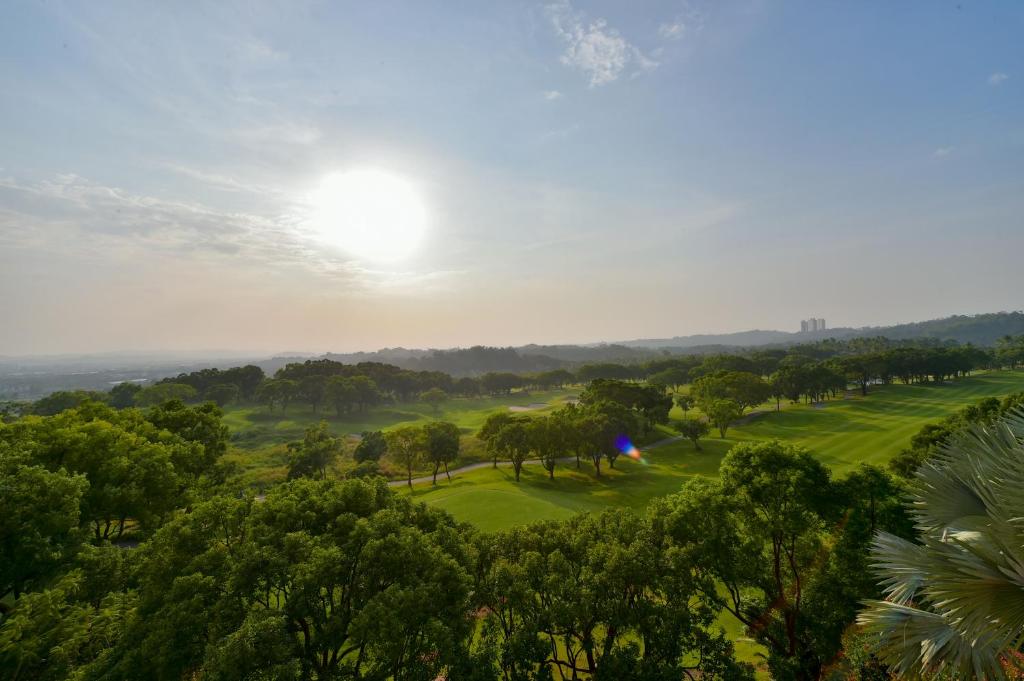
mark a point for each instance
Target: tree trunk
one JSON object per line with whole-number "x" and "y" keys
{"x": 446, "y": 471}
{"x": 436, "y": 466}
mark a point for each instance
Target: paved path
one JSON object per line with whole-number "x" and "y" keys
{"x": 505, "y": 464}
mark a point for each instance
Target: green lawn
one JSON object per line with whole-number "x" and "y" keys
{"x": 843, "y": 433}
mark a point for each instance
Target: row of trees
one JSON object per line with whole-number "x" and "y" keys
{"x": 810, "y": 372}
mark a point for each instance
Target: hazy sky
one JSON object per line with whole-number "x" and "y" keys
{"x": 588, "y": 171}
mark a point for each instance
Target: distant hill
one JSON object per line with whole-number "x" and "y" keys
{"x": 33, "y": 377}
{"x": 980, "y": 329}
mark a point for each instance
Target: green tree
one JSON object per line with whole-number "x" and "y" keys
{"x": 123, "y": 394}
{"x": 601, "y": 596}
{"x": 685, "y": 403}
{"x": 722, "y": 413}
{"x": 372, "y": 446}
{"x": 513, "y": 441}
{"x": 322, "y": 580}
{"x": 162, "y": 392}
{"x": 548, "y": 439}
{"x": 442, "y": 445}
{"x": 742, "y": 387}
{"x": 314, "y": 454}
{"x": 223, "y": 394}
{"x": 39, "y": 521}
{"x": 313, "y": 389}
{"x": 488, "y": 432}
{"x": 760, "y": 533}
{"x": 406, "y": 446}
{"x": 434, "y": 397}
{"x": 693, "y": 430}
{"x": 341, "y": 393}
{"x": 955, "y": 600}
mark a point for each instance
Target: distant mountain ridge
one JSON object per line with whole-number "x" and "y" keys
{"x": 980, "y": 329}
{"x": 22, "y": 377}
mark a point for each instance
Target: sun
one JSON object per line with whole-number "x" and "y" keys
{"x": 371, "y": 214}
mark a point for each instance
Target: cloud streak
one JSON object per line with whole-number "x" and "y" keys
{"x": 997, "y": 78}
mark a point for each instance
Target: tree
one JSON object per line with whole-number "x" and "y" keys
{"x": 200, "y": 425}
{"x": 513, "y": 440}
{"x": 759, "y": 536}
{"x": 434, "y": 397}
{"x": 321, "y": 580}
{"x": 488, "y": 432}
{"x": 442, "y": 445}
{"x": 62, "y": 400}
{"x": 721, "y": 414}
{"x": 742, "y": 387}
{"x": 955, "y": 601}
{"x": 500, "y": 383}
{"x": 367, "y": 393}
{"x": 277, "y": 391}
{"x": 39, "y": 520}
{"x": 601, "y": 596}
{"x": 685, "y": 403}
{"x": 223, "y": 394}
{"x": 313, "y": 389}
{"x": 314, "y": 454}
{"x": 372, "y": 446}
{"x": 340, "y": 393}
{"x": 123, "y": 394}
{"x": 548, "y": 440}
{"x": 162, "y": 392}
{"x": 406, "y": 446}
{"x": 693, "y": 430}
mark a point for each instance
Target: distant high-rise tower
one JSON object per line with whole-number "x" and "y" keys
{"x": 812, "y": 324}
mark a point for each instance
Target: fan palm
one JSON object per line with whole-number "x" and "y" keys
{"x": 955, "y": 602}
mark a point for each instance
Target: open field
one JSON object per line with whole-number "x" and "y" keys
{"x": 843, "y": 433}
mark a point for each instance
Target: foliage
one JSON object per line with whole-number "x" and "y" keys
{"x": 406, "y": 445}
{"x": 314, "y": 454}
{"x": 163, "y": 392}
{"x": 693, "y": 430}
{"x": 955, "y": 600}
{"x": 434, "y": 397}
{"x": 721, "y": 413}
{"x": 372, "y": 446}
{"x": 442, "y": 445}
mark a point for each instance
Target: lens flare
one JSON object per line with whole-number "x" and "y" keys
{"x": 629, "y": 449}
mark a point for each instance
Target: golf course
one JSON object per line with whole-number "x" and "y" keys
{"x": 843, "y": 433}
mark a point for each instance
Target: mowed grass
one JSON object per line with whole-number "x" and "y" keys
{"x": 843, "y": 433}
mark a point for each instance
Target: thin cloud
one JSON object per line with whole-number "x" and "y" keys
{"x": 552, "y": 95}
{"x": 942, "y": 152}
{"x": 997, "y": 78}
{"x": 594, "y": 47}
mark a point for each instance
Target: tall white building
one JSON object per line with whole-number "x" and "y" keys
{"x": 812, "y": 324}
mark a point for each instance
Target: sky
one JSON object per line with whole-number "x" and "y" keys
{"x": 580, "y": 171}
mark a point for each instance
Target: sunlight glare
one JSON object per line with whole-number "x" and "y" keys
{"x": 370, "y": 214}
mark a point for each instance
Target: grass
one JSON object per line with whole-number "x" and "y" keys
{"x": 843, "y": 433}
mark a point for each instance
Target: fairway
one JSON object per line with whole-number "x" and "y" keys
{"x": 843, "y": 433}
